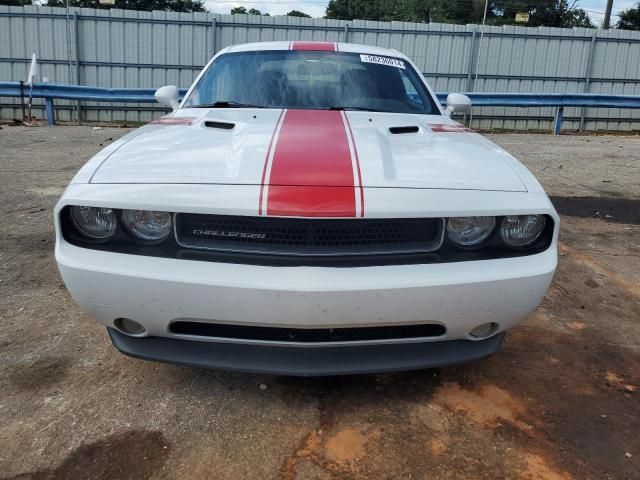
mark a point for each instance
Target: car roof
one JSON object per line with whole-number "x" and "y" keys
{"x": 341, "y": 47}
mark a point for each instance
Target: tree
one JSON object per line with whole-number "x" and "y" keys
{"x": 548, "y": 13}
{"x": 386, "y": 10}
{"x": 630, "y": 18}
{"x": 16, "y": 3}
{"x": 445, "y": 11}
{"x": 145, "y": 5}
{"x": 297, "y": 13}
{"x": 457, "y": 11}
{"x": 244, "y": 11}
{"x": 552, "y": 13}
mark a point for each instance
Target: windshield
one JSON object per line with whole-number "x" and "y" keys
{"x": 312, "y": 80}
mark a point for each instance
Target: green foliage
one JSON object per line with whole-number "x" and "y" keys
{"x": 445, "y": 11}
{"x": 145, "y": 5}
{"x": 630, "y": 18}
{"x": 16, "y": 3}
{"x": 297, "y": 13}
{"x": 244, "y": 11}
{"x": 552, "y": 13}
{"x": 457, "y": 11}
{"x": 385, "y": 10}
{"x": 548, "y": 13}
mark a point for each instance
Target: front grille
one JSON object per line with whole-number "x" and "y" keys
{"x": 304, "y": 335}
{"x": 297, "y": 236}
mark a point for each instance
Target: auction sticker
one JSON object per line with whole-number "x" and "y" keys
{"x": 392, "y": 62}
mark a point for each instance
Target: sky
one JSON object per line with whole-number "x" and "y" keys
{"x": 595, "y": 8}
{"x": 316, "y": 8}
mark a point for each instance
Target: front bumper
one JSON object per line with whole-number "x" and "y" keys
{"x": 157, "y": 291}
{"x": 306, "y": 362}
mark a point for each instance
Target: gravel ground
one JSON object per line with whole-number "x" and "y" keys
{"x": 560, "y": 401}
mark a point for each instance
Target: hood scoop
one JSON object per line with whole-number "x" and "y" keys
{"x": 219, "y": 125}
{"x": 403, "y": 130}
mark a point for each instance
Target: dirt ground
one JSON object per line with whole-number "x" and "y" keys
{"x": 560, "y": 401}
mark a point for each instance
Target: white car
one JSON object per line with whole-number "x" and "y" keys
{"x": 306, "y": 209}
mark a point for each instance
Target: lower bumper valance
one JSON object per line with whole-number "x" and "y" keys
{"x": 305, "y": 361}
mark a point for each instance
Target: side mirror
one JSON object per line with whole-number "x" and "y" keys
{"x": 458, "y": 103}
{"x": 168, "y": 96}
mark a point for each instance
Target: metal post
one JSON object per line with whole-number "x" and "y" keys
{"x": 607, "y": 15}
{"x": 213, "y": 36}
{"x": 470, "y": 83}
{"x": 346, "y": 33}
{"x": 77, "y": 42}
{"x": 472, "y": 56}
{"x": 484, "y": 23}
{"x": 557, "y": 127}
{"x": 587, "y": 75}
{"x": 68, "y": 34}
{"x": 24, "y": 113}
{"x": 49, "y": 111}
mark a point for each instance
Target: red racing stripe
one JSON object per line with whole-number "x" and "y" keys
{"x": 312, "y": 172}
{"x": 323, "y": 46}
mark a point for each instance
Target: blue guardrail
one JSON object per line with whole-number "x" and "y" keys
{"x": 51, "y": 91}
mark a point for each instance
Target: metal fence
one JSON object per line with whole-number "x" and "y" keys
{"x": 51, "y": 92}
{"x": 130, "y": 49}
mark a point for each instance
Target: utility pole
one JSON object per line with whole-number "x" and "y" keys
{"x": 607, "y": 15}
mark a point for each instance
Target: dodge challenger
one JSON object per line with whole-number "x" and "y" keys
{"x": 307, "y": 208}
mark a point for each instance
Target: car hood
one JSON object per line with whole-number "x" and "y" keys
{"x": 309, "y": 148}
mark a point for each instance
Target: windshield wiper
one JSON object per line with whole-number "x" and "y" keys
{"x": 361, "y": 109}
{"x": 226, "y": 104}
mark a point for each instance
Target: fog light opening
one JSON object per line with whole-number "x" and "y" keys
{"x": 128, "y": 326}
{"x": 484, "y": 330}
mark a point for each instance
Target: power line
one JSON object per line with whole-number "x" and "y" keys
{"x": 600, "y": 13}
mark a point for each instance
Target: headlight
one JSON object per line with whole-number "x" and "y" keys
{"x": 94, "y": 223}
{"x": 147, "y": 224}
{"x": 522, "y": 230}
{"x": 470, "y": 231}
